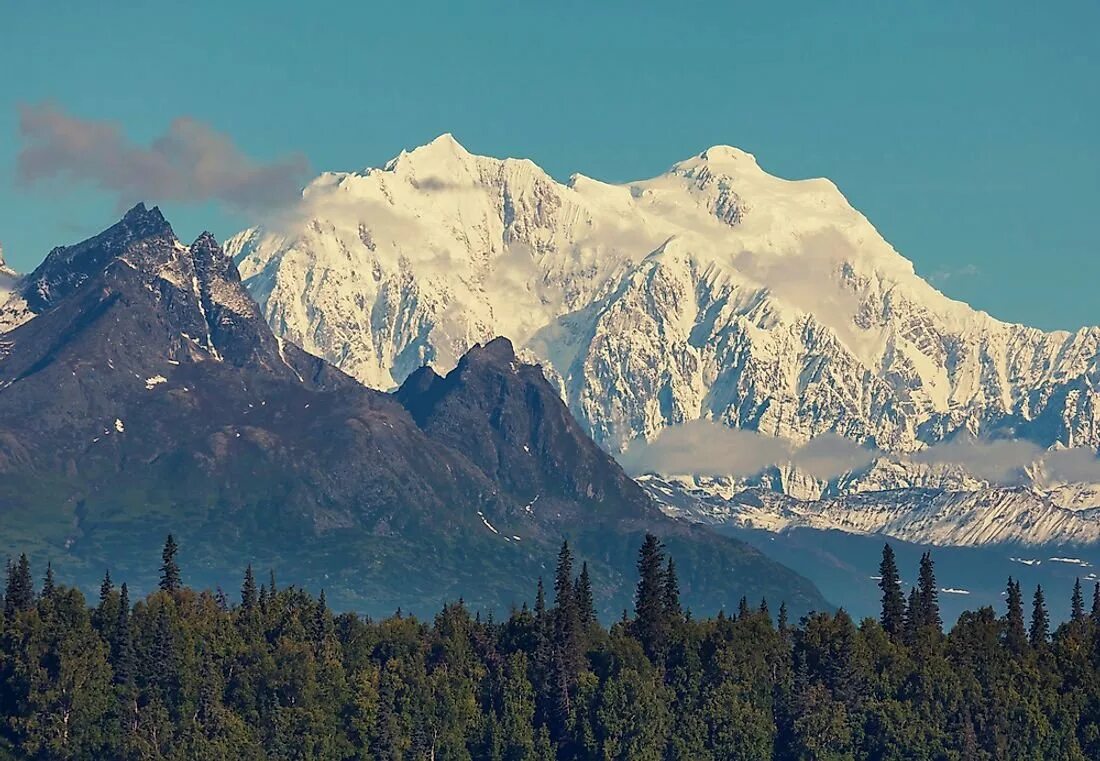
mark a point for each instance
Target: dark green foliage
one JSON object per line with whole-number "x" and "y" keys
{"x": 19, "y": 593}
{"x": 182, "y": 675}
{"x": 893, "y": 601}
{"x": 1015, "y": 635}
{"x": 249, "y": 596}
{"x": 49, "y": 585}
{"x": 169, "y": 569}
{"x": 928, "y": 596}
{"x": 1077, "y": 603}
{"x": 650, "y": 625}
{"x": 1040, "y": 619}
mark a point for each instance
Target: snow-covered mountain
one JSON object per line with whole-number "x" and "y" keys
{"x": 714, "y": 291}
{"x": 8, "y": 277}
{"x": 985, "y": 515}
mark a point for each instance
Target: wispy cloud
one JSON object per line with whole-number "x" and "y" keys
{"x": 190, "y": 162}
{"x": 944, "y": 275}
{"x": 706, "y": 448}
{"x": 998, "y": 461}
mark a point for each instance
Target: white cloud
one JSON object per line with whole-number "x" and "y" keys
{"x": 706, "y": 448}
{"x": 999, "y": 461}
{"x": 1077, "y": 465}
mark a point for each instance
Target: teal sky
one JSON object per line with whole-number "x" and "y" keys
{"x": 968, "y": 133}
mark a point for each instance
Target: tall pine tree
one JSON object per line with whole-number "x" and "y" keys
{"x": 1040, "y": 619}
{"x": 1077, "y": 604}
{"x": 19, "y": 594}
{"x": 1014, "y": 633}
{"x": 169, "y": 568}
{"x": 650, "y": 625}
{"x": 248, "y": 591}
{"x": 672, "y": 594}
{"x": 929, "y": 595}
{"x": 893, "y": 600}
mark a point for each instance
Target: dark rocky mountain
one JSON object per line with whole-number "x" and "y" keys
{"x": 147, "y": 394}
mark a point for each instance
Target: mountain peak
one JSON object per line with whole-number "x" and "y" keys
{"x": 498, "y": 350}
{"x": 206, "y": 241}
{"x": 728, "y": 154}
{"x": 145, "y": 221}
{"x": 442, "y": 150}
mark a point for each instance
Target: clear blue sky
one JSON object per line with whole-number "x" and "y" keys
{"x": 969, "y": 133}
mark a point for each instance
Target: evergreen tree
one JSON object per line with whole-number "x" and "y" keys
{"x": 586, "y": 604}
{"x": 122, "y": 648}
{"x": 1077, "y": 604}
{"x": 169, "y": 569}
{"x": 671, "y": 584}
{"x": 1015, "y": 635}
{"x": 929, "y": 595}
{"x": 248, "y": 590}
{"x": 163, "y": 665}
{"x": 49, "y": 585}
{"x": 106, "y": 587}
{"x": 782, "y": 622}
{"x": 1096, "y": 604}
{"x": 19, "y": 594}
{"x": 1040, "y": 619}
{"x": 650, "y": 625}
{"x": 893, "y": 601}
{"x": 540, "y": 602}
{"x": 743, "y": 608}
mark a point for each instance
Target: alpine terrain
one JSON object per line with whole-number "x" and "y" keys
{"x": 716, "y": 296}
{"x": 142, "y": 392}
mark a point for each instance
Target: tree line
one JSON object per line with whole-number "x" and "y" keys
{"x": 276, "y": 674}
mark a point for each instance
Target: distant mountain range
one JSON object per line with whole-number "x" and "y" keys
{"x": 142, "y": 392}
{"x": 714, "y": 292}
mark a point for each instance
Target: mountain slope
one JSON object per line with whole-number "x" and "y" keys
{"x": 143, "y": 392}
{"x": 714, "y": 291}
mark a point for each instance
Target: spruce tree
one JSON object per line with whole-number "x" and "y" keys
{"x": 1015, "y": 633}
{"x": 671, "y": 584}
{"x": 1077, "y": 604}
{"x": 893, "y": 601}
{"x": 650, "y": 622}
{"x": 19, "y": 594}
{"x": 49, "y": 586}
{"x": 163, "y": 665}
{"x": 1040, "y": 619}
{"x": 567, "y": 630}
{"x": 540, "y": 602}
{"x": 1096, "y": 604}
{"x": 169, "y": 569}
{"x": 929, "y": 595}
{"x": 782, "y": 620}
{"x": 122, "y": 648}
{"x": 106, "y": 587}
{"x": 563, "y": 583}
{"x": 586, "y": 604}
{"x": 743, "y": 608}
{"x": 248, "y": 590}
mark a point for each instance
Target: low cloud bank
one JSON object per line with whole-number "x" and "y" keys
{"x": 707, "y": 448}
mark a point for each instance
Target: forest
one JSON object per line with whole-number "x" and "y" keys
{"x": 276, "y": 674}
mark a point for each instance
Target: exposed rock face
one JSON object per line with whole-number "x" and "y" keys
{"x": 143, "y": 392}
